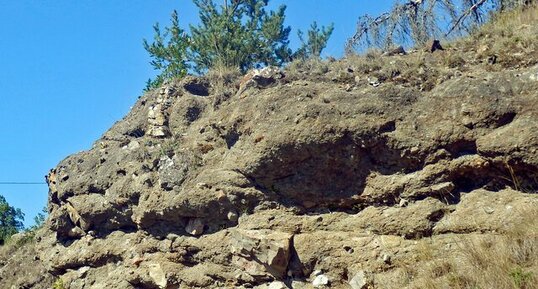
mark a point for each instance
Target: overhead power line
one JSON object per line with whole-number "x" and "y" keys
{"x": 22, "y": 183}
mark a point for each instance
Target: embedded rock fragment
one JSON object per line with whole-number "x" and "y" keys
{"x": 271, "y": 250}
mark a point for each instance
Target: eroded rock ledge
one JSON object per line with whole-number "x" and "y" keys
{"x": 304, "y": 181}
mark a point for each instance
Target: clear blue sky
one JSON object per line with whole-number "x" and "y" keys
{"x": 70, "y": 69}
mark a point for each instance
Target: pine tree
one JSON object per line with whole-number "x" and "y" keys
{"x": 169, "y": 52}
{"x": 316, "y": 41}
{"x": 239, "y": 33}
{"x": 10, "y": 220}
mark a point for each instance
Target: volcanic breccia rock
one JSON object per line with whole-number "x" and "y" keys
{"x": 298, "y": 182}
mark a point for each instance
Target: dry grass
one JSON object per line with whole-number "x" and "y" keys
{"x": 221, "y": 77}
{"x": 223, "y": 74}
{"x": 510, "y": 40}
{"x": 512, "y": 37}
{"x": 500, "y": 260}
{"x": 310, "y": 66}
{"x": 223, "y": 81}
{"x": 508, "y": 260}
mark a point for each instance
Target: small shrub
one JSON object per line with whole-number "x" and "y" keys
{"x": 521, "y": 278}
{"x": 25, "y": 239}
{"x": 58, "y": 284}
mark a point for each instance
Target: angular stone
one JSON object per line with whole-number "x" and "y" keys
{"x": 359, "y": 281}
{"x": 395, "y": 51}
{"x": 159, "y": 131}
{"x": 156, "y": 273}
{"x": 260, "y": 78}
{"x": 269, "y": 248}
{"x": 320, "y": 281}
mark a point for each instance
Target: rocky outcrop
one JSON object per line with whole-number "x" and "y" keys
{"x": 294, "y": 180}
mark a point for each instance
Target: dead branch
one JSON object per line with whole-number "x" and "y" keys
{"x": 472, "y": 9}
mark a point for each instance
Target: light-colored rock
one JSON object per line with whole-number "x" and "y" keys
{"x": 232, "y": 216}
{"x": 359, "y": 281}
{"x": 277, "y": 285}
{"x": 133, "y": 145}
{"x": 156, "y": 273}
{"x": 320, "y": 281}
{"x": 82, "y": 271}
{"x": 271, "y": 249}
{"x": 260, "y": 78}
{"x": 386, "y": 258}
{"x": 76, "y": 232}
{"x": 296, "y": 284}
{"x": 159, "y": 131}
{"x": 374, "y": 81}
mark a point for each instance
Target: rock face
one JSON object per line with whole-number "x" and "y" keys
{"x": 312, "y": 181}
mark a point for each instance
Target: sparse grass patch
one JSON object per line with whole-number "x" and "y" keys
{"x": 28, "y": 237}
{"x": 511, "y": 36}
{"x": 21, "y": 239}
{"x": 509, "y": 40}
{"x": 167, "y": 148}
{"x": 224, "y": 82}
{"x": 507, "y": 260}
{"x": 521, "y": 278}
{"x": 313, "y": 65}
{"x": 455, "y": 60}
{"x": 221, "y": 76}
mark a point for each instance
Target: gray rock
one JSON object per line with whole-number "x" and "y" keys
{"x": 359, "y": 281}
{"x": 320, "y": 281}
{"x": 272, "y": 249}
{"x": 403, "y": 203}
{"x": 386, "y": 258}
{"x": 157, "y": 274}
{"x": 373, "y": 81}
{"x": 173, "y": 171}
{"x": 277, "y": 285}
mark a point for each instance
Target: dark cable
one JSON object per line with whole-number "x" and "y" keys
{"x": 22, "y": 183}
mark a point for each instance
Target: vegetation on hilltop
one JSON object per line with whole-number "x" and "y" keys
{"x": 10, "y": 220}
{"x": 242, "y": 34}
{"x": 239, "y": 34}
{"x": 414, "y": 22}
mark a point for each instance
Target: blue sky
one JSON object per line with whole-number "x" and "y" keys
{"x": 70, "y": 69}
